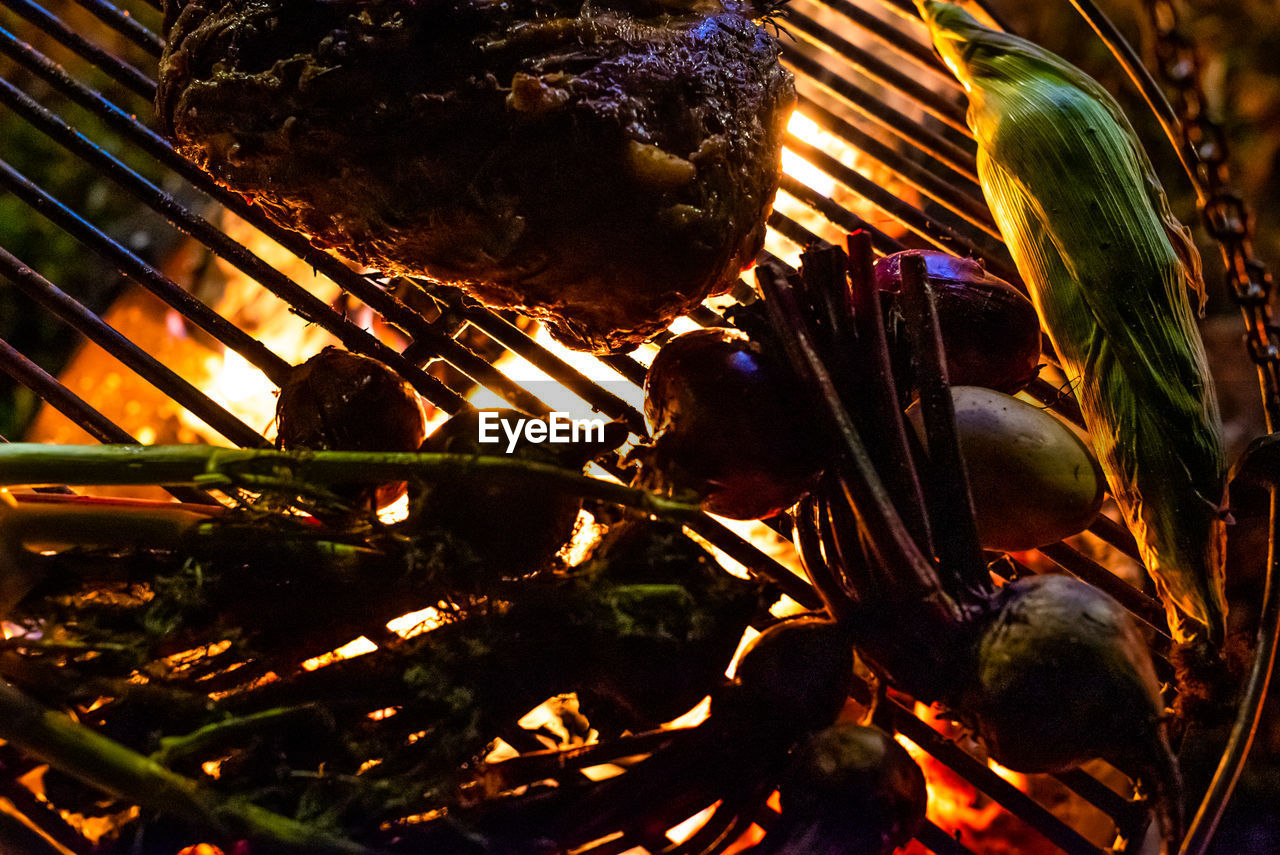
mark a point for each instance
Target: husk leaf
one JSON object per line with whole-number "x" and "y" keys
{"x": 1108, "y": 268}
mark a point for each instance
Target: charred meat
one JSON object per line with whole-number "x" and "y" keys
{"x": 600, "y": 167}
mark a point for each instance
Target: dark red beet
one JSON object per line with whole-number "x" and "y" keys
{"x": 990, "y": 330}
{"x": 729, "y": 423}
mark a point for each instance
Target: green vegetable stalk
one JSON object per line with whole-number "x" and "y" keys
{"x": 1108, "y": 268}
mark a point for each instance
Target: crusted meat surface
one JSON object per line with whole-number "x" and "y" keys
{"x": 601, "y": 169}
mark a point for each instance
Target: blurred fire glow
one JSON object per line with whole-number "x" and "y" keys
{"x": 955, "y": 805}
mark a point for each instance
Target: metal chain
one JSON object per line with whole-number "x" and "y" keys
{"x": 1226, "y": 215}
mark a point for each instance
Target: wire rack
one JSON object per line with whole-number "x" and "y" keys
{"x": 81, "y": 78}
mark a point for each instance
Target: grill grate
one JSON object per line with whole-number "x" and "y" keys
{"x": 93, "y": 64}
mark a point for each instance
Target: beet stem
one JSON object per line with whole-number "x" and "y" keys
{"x": 852, "y": 561}
{"x": 809, "y": 545}
{"x": 872, "y": 347}
{"x": 889, "y": 537}
{"x": 950, "y": 502}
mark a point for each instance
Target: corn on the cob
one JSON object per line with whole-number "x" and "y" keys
{"x": 1108, "y": 268}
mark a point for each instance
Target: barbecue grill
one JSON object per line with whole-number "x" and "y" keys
{"x": 83, "y": 77}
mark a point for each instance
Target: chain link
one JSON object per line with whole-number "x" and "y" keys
{"x": 1226, "y": 215}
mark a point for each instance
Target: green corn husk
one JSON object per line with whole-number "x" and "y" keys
{"x": 1108, "y": 268}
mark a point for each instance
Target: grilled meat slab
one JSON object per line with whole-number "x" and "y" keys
{"x": 602, "y": 169}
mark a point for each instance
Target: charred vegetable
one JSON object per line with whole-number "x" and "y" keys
{"x": 693, "y": 612}
{"x": 1108, "y": 267}
{"x": 729, "y": 424}
{"x": 795, "y": 676}
{"x": 340, "y": 401}
{"x": 972, "y": 646}
{"x": 990, "y": 330}
{"x": 513, "y": 526}
{"x": 1033, "y": 481}
{"x": 1057, "y": 657}
{"x": 848, "y": 790}
{"x": 602, "y": 168}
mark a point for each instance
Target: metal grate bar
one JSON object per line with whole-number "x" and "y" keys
{"x": 122, "y": 22}
{"x": 58, "y": 396}
{"x": 904, "y": 8}
{"x": 305, "y": 304}
{"x": 884, "y": 116}
{"x": 457, "y": 355}
{"x": 75, "y": 408}
{"x": 119, "y": 70}
{"x": 370, "y": 293}
{"x": 153, "y": 280}
{"x": 965, "y": 202}
{"x": 98, "y": 331}
{"x": 891, "y": 37}
{"x": 628, "y": 366}
{"x": 939, "y": 842}
{"x": 518, "y": 342}
{"x": 1077, "y": 564}
{"x": 882, "y": 243}
{"x": 789, "y": 228}
{"x": 940, "y": 107}
{"x": 940, "y": 235}
{"x": 1014, "y": 800}
{"x": 1112, "y": 532}
{"x": 42, "y": 813}
{"x": 1126, "y": 812}
{"x": 749, "y": 556}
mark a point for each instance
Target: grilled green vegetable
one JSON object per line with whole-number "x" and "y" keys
{"x": 1108, "y": 267}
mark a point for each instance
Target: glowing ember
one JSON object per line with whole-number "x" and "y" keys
{"x": 416, "y": 623}
{"x": 397, "y": 511}
{"x": 678, "y": 834}
{"x": 350, "y": 650}
{"x": 693, "y": 717}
